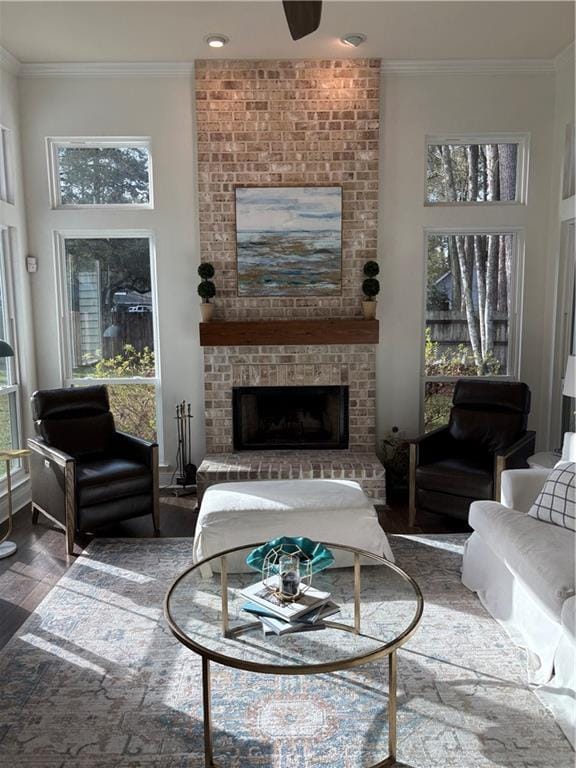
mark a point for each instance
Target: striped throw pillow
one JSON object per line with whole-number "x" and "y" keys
{"x": 555, "y": 503}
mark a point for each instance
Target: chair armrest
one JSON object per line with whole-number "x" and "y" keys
{"x": 519, "y": 451}
{"x": 140, "y": 450}
{"x": 38, "y": 445}
{"x": 520, "y": 487}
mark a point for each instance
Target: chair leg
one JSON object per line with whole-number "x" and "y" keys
{"x": 156, "y": 517}
{"x": 35, "y": 514}
{"x": 155, "y": 490}
{"x": 69, "y": 541}
{"x": 70, "y": 491}
{"x": 412, "y": 487}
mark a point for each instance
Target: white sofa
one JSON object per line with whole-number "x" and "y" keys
{"x": 523, "y": 570}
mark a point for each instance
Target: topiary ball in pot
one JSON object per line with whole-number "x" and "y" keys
{"x": 206, "y": 290}
{"x": 206, "y": 271}
{"x": 371, "y": 269}
{"x": 370, "y": 288}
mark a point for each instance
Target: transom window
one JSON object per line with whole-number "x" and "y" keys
{"x": 109, "y": 331}
{"x": 475, "y": 170}
{"x": 100, "y": 173}
{"x": 471, "y": 311}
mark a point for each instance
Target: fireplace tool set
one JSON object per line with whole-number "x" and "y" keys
{"x": 186, "y": 480}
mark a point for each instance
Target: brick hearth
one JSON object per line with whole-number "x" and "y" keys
{"x": 365, "y": 468}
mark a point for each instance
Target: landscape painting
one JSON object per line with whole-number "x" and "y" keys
{"x": 289, "y": 241}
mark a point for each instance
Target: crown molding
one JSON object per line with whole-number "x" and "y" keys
{"x": 467, "y": 66}
{"x": 129, "y": 69}
{"x": 389, "y": 67}
{"x": 565, "y": 57}
{"x": 8, "y": 62}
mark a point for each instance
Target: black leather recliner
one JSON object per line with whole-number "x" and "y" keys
{"x": 455, "y": 465}
{"x": 84, "y": 473}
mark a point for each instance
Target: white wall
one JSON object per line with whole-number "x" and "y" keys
{"x": 556, "y": 293}
{"x": 160, "y": 108}
{"x": 413, "y": 106}
{"x": 13, "y": 216}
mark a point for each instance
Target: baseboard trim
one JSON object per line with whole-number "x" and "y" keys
{"x": 21, "y": 496}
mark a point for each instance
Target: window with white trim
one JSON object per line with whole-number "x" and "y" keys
{"x": 476, "y": 170}
{"x": 98, "y": 173}
{"x": 568, "y": 169}
{"x": 9, "y": 390}
{"x": 108, "y": 311}
{"x": 6, "y": 185}
{"x": 472, "y": 310}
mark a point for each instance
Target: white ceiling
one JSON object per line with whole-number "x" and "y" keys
{"x": 174, "y": 31}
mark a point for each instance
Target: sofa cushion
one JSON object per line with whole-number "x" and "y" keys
{"x": 459, "y": 476}
{"x": 569, "y": 618}
{"x": 540, "y": 554}
{"x": 103, "y": 480}
{"x": 555, "y": 502}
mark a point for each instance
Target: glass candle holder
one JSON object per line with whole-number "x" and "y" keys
{"x": 289, "y": 571}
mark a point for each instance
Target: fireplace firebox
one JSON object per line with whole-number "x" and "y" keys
{"x": 271, "y": 418}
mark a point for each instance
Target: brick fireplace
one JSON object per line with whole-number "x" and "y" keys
{"x": 289, "y": 123}
{"x": 315, "y": 365}
{"x": 229, "y": 367}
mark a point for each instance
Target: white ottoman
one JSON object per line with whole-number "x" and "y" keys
{"x": 334, "y": 511}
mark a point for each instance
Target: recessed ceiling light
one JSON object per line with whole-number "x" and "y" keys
{"x": 353, "y": 39}
{"x": 216, "y": 41}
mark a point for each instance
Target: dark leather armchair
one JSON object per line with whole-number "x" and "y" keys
{"x": 84, "y": 473}
{"x": 455, "y": 465}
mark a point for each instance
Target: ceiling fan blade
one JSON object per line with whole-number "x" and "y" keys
{"x": 303, "y": 16}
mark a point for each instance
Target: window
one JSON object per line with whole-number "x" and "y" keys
{"x": 568, "y": 169}
{"x": 470, "y": 313}
{"x": 6, "y": 191}
{"x": 9, "y": 396}
{"x": 97, "y": 173}
{"x": 475, "y": 170}
{"x": 109, "y": 323}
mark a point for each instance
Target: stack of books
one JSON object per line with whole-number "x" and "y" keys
{"x": 277, "y": 617}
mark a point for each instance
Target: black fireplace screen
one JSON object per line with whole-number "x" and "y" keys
{"x": 290, "y": 417}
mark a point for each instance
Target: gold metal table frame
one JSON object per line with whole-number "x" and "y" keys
{"x": 208, "y": 655}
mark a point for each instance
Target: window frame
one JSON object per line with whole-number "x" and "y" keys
{"x": 464, "y": 139}
{"x": 64, "y": 332}
{"x": 12, "y": 389}
{"x": 54, "y": 143}
{"x": 515, "y": 319}
{"x": 6, "y": 167}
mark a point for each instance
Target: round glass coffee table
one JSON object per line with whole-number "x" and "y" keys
{"x": 380, "y": 609}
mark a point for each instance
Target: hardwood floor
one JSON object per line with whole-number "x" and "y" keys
{"x": 28, "y": 576}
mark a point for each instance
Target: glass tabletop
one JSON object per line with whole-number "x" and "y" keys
{"x": 380, "y": 608}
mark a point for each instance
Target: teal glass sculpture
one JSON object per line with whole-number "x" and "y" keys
{"x": 313, "y": 555}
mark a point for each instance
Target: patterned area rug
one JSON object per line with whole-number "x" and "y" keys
{"x": 94, "y": 679}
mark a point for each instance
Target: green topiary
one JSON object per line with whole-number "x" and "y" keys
{"x": 371, "y": 269}
{"x": 206, "y": 271}
{"x": 206, "y": 290}
{"x": 370, "y": 288}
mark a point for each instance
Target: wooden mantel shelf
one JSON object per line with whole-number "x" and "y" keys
{"x": 258, "y": 333}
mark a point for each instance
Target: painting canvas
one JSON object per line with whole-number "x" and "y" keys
{"x": 289, "y": 241}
